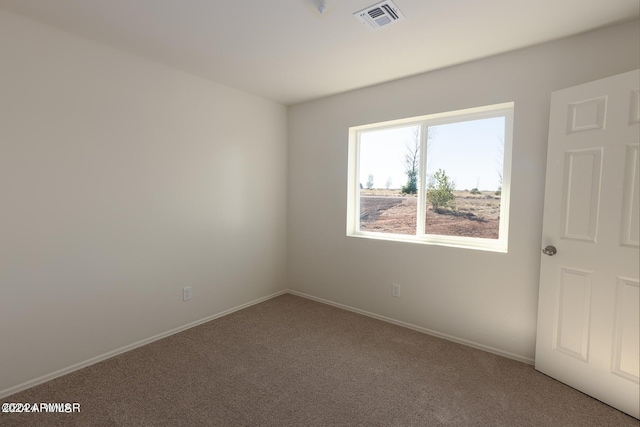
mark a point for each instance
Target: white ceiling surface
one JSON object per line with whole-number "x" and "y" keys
{"x": 286, "y": 51}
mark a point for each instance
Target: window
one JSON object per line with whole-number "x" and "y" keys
{"x": 438, "y": 179}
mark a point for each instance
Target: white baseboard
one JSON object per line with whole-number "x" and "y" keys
{"x": 100, "y": 358}
{"x": 468, "y": 343}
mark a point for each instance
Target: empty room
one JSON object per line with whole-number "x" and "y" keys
{"x": 319, "y": 213}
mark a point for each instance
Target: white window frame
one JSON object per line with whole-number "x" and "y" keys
{"x": 353, "y": 194}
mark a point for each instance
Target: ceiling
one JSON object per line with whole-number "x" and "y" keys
{"x": 286, "y": 51}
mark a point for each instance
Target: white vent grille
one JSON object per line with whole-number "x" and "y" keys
{"x": 379, "y": 15}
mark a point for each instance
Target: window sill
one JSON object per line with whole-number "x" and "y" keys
{"x": 490, "y": 245}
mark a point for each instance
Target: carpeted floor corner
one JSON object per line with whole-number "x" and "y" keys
{"x": 290, "y": 361}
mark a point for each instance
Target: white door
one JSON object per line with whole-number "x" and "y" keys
{"x": 588, "y": 310}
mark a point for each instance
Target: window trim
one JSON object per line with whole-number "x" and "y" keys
{"x": 501, "y": 244}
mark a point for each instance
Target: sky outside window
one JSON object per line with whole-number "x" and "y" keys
{"x": 470, "y": 152}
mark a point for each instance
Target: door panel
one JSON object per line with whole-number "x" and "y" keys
{"x": 572, "y": 318}
{"x": 630, "y": 221}
{"x": 582, "y": 193}
{"x": 588, "y": 311}
{"x": 626, "y": 338}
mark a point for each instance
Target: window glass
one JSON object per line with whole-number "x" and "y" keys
{"x": 437, "y": 179}
{"x": 383, "y": 206}
{"x": 464, "y": 178}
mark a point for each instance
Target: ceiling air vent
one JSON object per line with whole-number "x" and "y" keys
{"x": 379, "y": 15}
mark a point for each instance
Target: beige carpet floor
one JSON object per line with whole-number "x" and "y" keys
{"x": 294, "y": 362}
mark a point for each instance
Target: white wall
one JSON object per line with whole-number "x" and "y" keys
{"x": 121, "y": 182}
{"x": 486, "y": 298}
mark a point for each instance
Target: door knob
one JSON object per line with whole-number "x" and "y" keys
{"x": 550, "y": 250}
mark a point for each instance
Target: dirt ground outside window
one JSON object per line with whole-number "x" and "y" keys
{"x": 471, "y": 215}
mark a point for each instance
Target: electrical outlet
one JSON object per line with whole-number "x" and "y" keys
{"x": 395, "y": 290}
{"x": 186, "y": 293}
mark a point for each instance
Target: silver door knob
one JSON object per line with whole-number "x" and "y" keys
{"x": 550, "y": 250}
